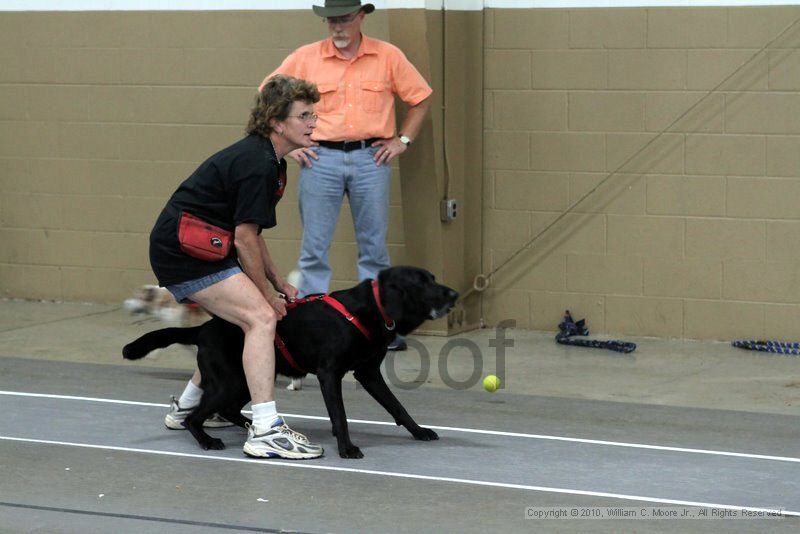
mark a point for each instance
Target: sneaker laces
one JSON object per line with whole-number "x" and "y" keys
{"x": 297, "y": 436}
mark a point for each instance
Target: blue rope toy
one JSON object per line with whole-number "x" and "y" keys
{"x": 762, "y": 345}
{"x": 569, "y": 328}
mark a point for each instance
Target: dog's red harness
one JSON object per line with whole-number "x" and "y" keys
{"x": 339, "y": 307}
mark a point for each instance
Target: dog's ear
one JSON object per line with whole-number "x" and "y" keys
{"x": 393, "y": 291}
{"x": 149, "y": 293}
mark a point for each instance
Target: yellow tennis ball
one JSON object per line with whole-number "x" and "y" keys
{"x": 491, "y": 383}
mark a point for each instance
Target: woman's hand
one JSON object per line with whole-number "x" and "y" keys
{"x": 282, "y": 286}
{"x": 277, "y": 304}
{"x": 302, "y": 156}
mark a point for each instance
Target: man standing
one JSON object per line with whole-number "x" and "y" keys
{"x": 357, "y": 78}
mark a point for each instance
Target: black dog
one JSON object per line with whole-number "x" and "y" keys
{"x": 319, "y": 339}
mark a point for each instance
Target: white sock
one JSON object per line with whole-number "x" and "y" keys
{"x": 190, "y": 396}
{"x": 264, "y": 414}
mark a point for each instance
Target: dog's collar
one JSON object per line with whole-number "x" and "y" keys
{"x": 387, "y": 321}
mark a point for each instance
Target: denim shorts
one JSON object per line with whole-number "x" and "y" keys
{"x": 182, "y": 291}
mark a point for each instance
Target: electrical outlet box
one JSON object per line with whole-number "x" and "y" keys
{"x": 448, "y": 209}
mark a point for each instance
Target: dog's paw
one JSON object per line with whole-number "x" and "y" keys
{"x": 425, "y": 434}
{"x": 214, "y": 444}
{"x": 295, "y": 385}
{"x": 351, "y": 452}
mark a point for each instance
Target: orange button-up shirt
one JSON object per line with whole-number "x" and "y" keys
{"x": 356, "y": 95}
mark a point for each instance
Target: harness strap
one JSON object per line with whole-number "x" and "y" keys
{"x": 281, "y": 346}
{"x": 339, "y": 307}
{"x": 293, "y": 303}
{"x": 336, "y": 305}
{"x": 377, "y": 295}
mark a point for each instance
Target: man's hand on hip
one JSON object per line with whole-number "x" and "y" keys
{"x": 303, "y": 156}
{"x": 388, "y": 149}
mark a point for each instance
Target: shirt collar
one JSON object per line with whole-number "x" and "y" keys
{"x": 267, "y": 142}
{"x": 270, "y": 148}
{"x": 367, "y": 46}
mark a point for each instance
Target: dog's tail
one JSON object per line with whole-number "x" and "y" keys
{"x": 158, "y": 339}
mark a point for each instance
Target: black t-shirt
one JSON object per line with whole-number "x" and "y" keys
{"x": 239, "y": 184}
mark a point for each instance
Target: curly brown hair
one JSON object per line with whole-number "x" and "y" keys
{"x": 275, "y": 100}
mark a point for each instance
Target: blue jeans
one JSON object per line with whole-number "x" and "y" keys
{"x": 183, "y": 291}
{"x": 322, "y": 188}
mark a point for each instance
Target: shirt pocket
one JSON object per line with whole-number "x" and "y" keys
{"x": 375, "y": 96}
{"x": 329, "y": 99}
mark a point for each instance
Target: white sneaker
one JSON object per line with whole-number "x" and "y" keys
{"x": 280, "y": 441}
{"x": 177, "y": 416}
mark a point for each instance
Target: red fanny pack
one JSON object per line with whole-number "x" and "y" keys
{"x": 203, "y": 240}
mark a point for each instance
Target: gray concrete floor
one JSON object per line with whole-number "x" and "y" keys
{"x": 674, "y": 424}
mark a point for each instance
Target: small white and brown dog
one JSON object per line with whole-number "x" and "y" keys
{"x": 158, "y": 302}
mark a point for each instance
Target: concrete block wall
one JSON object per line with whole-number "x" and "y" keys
{"x": 695, "y": 236}
{"x": 103, "y": 114}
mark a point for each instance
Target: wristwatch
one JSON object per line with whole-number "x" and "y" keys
{"x": 405, "y": 140}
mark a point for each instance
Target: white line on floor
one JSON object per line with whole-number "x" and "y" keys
{"x": 484, "y": 483}
{"x": 452, "y": 429}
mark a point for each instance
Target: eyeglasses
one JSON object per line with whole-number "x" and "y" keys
{"x": 307, "y": 116}
{"x": 343, "y": 20}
